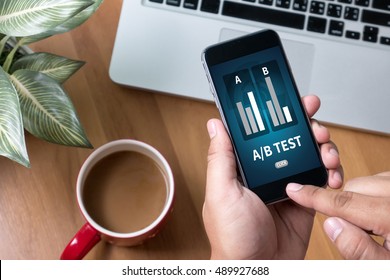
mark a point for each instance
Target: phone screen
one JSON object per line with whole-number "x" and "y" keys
{"x": 266, "y": 120}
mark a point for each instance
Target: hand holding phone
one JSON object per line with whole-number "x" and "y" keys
{"x": 260, "y": 106}
{"x": 237, "y": 223}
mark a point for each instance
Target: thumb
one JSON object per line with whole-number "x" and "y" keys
{"x": 352, "y": 242}
{"x": 221, "y": 166}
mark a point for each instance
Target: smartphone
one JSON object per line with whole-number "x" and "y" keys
{"x": 254, "y": 90}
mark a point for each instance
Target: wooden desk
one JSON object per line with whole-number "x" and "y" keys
{"x": 38, "y": 208}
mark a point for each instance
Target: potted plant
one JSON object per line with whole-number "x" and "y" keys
{"x": 31, "y": 92}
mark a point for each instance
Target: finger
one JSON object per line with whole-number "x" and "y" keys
{"x": 221, "y": 167}
{"x": 378, "y": 185}
{"x": 330, "y": 155}
{"x": 385, "y": 173}
{"x": 311, "y": 103}
{"x": 336, "y": 177}
{"x": 321, "y": 133}
{"x": 331, "y": 159}
{"x": 367, "y": 212}
{"x": 352, "y": 242}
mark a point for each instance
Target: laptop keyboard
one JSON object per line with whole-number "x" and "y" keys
{"x": 355, "y": 21}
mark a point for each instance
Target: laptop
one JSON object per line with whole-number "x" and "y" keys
{"x": 337, "y": 49}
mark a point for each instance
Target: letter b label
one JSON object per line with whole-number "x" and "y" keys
{"x": 265, "y": 71}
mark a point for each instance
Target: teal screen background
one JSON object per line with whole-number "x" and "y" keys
{"x": 249, "y": 70}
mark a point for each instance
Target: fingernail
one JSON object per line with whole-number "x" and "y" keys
{"x": 334, "y": 152}
{"x": 333, "y": 227}
{"x": 337, "y": 176}
{"x": 211, "y": 129}
{"x": 294, "y": 187}
{"x": 316, "y": 123}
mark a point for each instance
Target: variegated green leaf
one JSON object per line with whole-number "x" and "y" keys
{"x": 68, "y": 25}
{"x": 34, "y": 38}
{"x": 26, "y": 18}
{"x": 12, "y": 143}
{"x": 57, "y": 67}
{"x": 78, "y": 19}
{"x": 48, "y": 113}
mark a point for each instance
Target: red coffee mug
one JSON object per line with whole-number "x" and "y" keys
{"x": 91, "y": 233}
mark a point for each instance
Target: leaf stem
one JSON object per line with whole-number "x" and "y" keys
{"x": 2, "y": 44}
{"x": 10, "y": 57}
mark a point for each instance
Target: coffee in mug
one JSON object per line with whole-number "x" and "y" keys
{"x": 125, "y": 192}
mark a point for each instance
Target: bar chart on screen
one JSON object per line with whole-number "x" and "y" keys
{"x": 274, "y": 94}
{"x": 250, "y": 116}
{"x": 279, "y": 115}
{"x": 245, "y": 104}
{"x": 260, "y": 100}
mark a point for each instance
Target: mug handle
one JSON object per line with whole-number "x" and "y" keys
{"x": 84, "y": 240}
